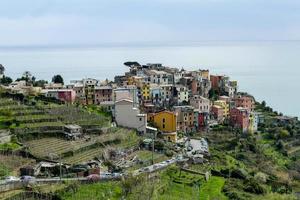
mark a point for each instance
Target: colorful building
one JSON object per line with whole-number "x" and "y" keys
{"x": 64, "y": 95}
{"x": 246, "y": 102}
{"x": 217, "y": 113}
{"x": 253, "y": 122}
{"x": 170, "y": 137}
{"x": 200, "y": 103}
{"x": 146, "y": 92}
{"x": 239, "y": 118}
{"x": 182, "y": 94}
{"x": 102, "y": 94}
{"x": 215, "y": 81}
{"x": 223, "y": 104}
{"x": 205, "y": 74}
{"x": 165, "y": 121}
{"x": 185, "y": 118}
{"x": 155, "y": 92}
{"x": 200, "y": 119}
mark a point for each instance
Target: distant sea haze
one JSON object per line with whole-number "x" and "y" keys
{"x": 268, "y": 70}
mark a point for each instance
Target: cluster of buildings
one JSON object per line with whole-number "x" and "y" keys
{"x": 155, "y": 97}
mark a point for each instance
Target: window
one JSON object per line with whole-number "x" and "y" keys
{"x": 164, "y": 120}
{"x": 140, "y": 119}
{"x": 163, "y": 125}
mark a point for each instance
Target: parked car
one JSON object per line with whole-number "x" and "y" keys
{"x": 11, "y": 179}
{"x": 28, "y": 179}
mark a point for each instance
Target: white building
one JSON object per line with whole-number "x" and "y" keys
{"x": 158, "y": 77}
{"x": 200, "y": 103}
{"x": 166, "y": 92}
{"x": 182, "y": 93}
{"x": 127, "y": 115}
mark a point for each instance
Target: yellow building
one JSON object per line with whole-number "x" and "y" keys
{"x": 165, "y": 121}
{"x": 223, "y": 104}
{"x": 171, "y": 137}
{"x": 205, "y": 74}
{"x": 146, "y": 92}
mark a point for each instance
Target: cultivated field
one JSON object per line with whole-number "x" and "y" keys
{"x": 82, "y": 149}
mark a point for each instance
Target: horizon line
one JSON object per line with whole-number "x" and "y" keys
{"x": 137, "y": 44}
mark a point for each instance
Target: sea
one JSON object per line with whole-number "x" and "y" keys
{"x": 269, "y": 70}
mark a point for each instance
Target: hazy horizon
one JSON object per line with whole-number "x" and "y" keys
{"x": 268, "y": 70}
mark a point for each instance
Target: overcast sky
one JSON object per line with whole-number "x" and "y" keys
{"x": 86, "y": 22}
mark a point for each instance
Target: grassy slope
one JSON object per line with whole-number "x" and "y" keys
{"x": 105, "y": 190}
{"x": 213, "y": 189}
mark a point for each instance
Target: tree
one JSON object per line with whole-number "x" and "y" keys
{"x": 2, "y": 69}
{"x": 283, "y": 133}
{"x": 58, "y": 79}
{"x": 132, "y": 64}
{"x": 5, "y": 80}
{"x": 263, "y": 104}
{"x": 40, "y": 83}
{"x": 27, "y": 75}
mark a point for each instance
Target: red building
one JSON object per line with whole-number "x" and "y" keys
{"x": 215, "y": 81}
{"x": 202, "y": 119}
{"x": 65, "y": 95}
{"x": 246, "y": 102}
{"x": 240, "y": 118}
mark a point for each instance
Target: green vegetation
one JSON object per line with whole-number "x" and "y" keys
{"x": 9, "y": 146}
{"x": 213, "y": 189}
{"x": 31, "y": 117}
{"x": 105, "y": 190}
{"x": 10, "y": 164}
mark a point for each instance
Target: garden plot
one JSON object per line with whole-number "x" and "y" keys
{"x": 71, "y": 114}
{"x": 82, "y": 149}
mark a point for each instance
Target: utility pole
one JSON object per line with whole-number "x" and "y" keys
{"x": 153, "y": 148}
{"x": 60, "y": 170}
{"x": 153, "y": 138}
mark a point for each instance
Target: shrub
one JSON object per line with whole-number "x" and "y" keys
{"x": 261, "y": 177}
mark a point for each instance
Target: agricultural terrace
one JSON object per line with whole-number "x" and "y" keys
{"x": 40, "y": 117}
{"x": 10, "y": 164}
{"x": 82, "y": 149}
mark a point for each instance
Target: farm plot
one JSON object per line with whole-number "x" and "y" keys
{"x": 10, "y": 164}
{"x": 71, "y": 114}
{"x": 84, "y": 156}
{"x": 56, "y": 146}
{"x": 43, "y": 117}
{"x": 82, "y": 149}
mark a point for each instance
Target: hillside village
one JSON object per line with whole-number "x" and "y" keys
{"x": 166, "y": 98}
{"x": 150, "y": 119}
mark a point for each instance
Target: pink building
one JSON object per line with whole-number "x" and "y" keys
{"x": 218, "y": 113}
{"x": 246, "y": 102}
{"x": 64, "y": 95}
{"x": 239, "y": 118}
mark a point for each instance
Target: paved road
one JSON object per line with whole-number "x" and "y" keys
{"x": 104, "y": 175}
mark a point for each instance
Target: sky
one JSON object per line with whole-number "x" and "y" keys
{"x": 96, "y": 22}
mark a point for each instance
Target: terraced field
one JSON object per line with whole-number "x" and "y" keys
{"x": 83, "y": 150}
{"x": 84, "y": 156}
{"x": 9, "y": 165}
{"x": 37, "y": 116}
